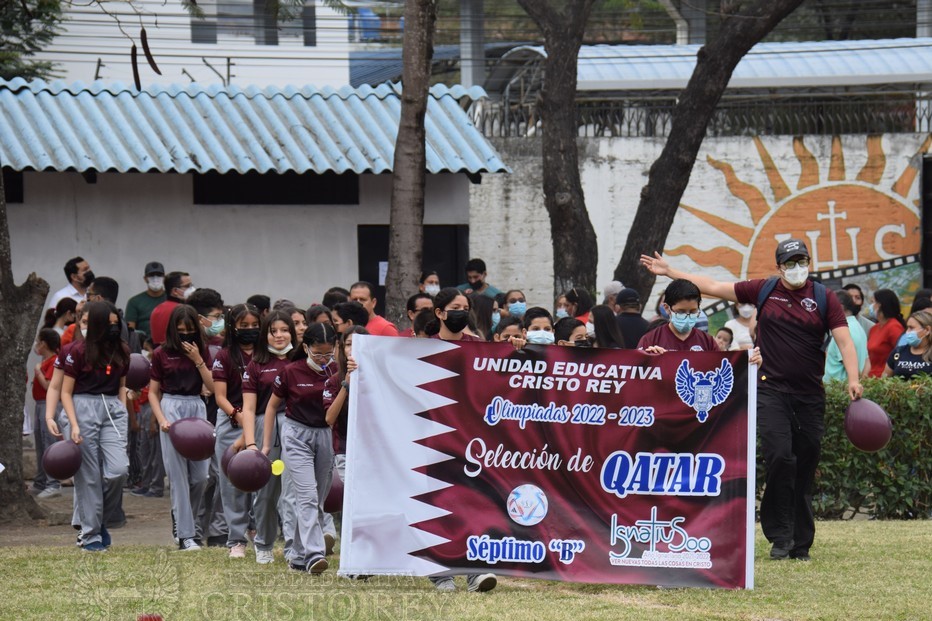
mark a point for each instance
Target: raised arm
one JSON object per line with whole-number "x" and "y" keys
{"x": 658, "y": 265}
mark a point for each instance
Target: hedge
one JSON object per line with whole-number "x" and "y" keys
{"x": 894, "y": 483}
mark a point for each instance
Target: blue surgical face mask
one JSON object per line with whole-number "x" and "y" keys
{"x": 517, "y": 309}
{"x": 683, "y": 324}
{"x": 664, "y": 313}
{"x": 909, "y": 338}
{"x": 216, "y": 327}
{"x": 872, "y": 313}
{"x": 540, "y": 337}
{"x": 561, "y": 313}
{"x": 496, "y": 317}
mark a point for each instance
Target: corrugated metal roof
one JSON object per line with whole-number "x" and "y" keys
{"x": 767, "y": 65}
{"x": 192, "y": 128}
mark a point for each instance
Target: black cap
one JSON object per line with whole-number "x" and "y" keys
{"x": 154, "y": 267}
{"x": 627, "y": 296}
{"x": 789, "y": 248}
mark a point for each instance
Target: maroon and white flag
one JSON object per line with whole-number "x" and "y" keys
{"x": 585, "y": 465}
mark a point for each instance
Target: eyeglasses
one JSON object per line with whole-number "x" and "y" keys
{"x": 791, "y": 264}
{"x": 321, "y": 357}
{"x": 213, "y": 316}
{"x": 684, "y": 316}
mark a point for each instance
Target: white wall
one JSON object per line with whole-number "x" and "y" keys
{"x": 879, "y": 198}
{"x": 89, "y": 34}
{"x": 126, "y": 220}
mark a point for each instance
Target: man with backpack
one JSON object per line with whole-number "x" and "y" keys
{"x": 793, "y": 315}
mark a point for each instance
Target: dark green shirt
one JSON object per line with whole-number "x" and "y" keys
{"x": 140, "y": 307}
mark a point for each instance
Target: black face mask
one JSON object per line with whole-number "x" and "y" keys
{"x": 247, "y": 336}
{"x": 114, "y": 331}
{"x": 88, "y": 279}
{"x": 456, "y": 320}
{"x": 188, "y": 338}
{"x": 476, "y": 285}
{"x": 582, "y": 343}
{"x": 857, "y": 309}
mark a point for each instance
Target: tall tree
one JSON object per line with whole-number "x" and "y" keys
{"x": 20, "y": 308}
{"x": 743, "y": 25}
{"x": 27, "y": 26}
{"x": 406, "y": 224}
{"x": 575, "y": 248}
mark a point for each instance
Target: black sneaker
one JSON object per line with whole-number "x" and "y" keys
{"x": 217, "y": 541}
{"x": 800, "y": 555}
{"x": 105, "y": 537}
{"x": 780, "y": 551}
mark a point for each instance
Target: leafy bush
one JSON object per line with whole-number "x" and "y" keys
{"x": 894, "y": 483}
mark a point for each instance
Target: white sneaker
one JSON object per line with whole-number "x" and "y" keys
{"x": 49, "y": 492}
{"x": 188, "y": 545}
{"x": 238, "y": 551}
{"x": 264, "y": 557}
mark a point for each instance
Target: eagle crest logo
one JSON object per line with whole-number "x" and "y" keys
{"x": 704, "y": 390}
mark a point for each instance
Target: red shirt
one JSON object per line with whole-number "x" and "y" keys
{"x": 790, "y": 334}
{"x": 380, "y": 326}
{"x": 225, "y": 369}
{"x": 259, "y": 378}
{"x": 67, "y": 337}
{"x": 302, "y": 389}
{"x": 881, "y": 341}
{"x": 176, "y": 373}
{"x": 91, "y": 380}
{"x": 663, "y": 336}
{"x": 48, "y": 366}
{"x": 158, "y": 321}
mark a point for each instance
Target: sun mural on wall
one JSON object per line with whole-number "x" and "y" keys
{"x": 846, "y": 222}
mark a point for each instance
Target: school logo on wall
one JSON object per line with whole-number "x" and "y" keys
{"x": 848, "y": 215}
{"x": 704, "y": 390}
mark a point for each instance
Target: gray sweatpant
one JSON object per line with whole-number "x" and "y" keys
{"x": 43, "y": 440}
{"x": 308, "y": 453}
{"x": 98, "y": 485}
{"x": 276, "y": 499}
{"x": 235, "y": 503}
{"x": 186, "y": 478}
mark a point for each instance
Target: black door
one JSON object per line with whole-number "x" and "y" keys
{"x": 446, "y": 248}
{"x": 926, "y": 248}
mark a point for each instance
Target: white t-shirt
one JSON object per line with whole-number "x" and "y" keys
{"x": 65, "y": 292}
{"x": 742, "y": 335}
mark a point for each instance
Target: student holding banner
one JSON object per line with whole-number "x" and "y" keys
{"x": 790, "y": 397}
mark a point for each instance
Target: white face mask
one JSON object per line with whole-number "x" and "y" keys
{"x": 281, "y": 352}
{"x": 590, "y": 329}
{"x": 431, "y": 290}
{"x": 155, "y": 283}
{"x": 747, "y": 310}
{"x": 84, "y": 332}
{"x": 189, "y": 291}
{"x": 797, "y": 275}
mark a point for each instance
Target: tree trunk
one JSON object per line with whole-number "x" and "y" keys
{"x": 575, "y": 247}
{"x": 406, "y": 226}
{"x": 20, "y": 308}
{"x": 669, "y": 175}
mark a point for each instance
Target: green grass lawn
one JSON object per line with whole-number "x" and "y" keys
{"x": 860, "y": 570}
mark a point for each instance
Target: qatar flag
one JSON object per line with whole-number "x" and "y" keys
{"x": 562, "y": 463}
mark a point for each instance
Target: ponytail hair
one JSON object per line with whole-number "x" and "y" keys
{"x": 65, "y": 305}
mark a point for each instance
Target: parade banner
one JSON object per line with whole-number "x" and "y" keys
{"x": 562, "y": 463}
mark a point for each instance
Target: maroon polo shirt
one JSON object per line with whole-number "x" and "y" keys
{"x": 302, "y": 389}
{"x": 226, "y": 369}
{"x": 91, "y": 380}
{"x": 259, "y": 378}
{"x": 62, "y": 354}
{"x": 331, "y": 390}
{"x": 790, "y": 333}
{"x": 176, "y": 373}
{"x": 664, "y": 337}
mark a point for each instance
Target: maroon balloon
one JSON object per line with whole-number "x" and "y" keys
{"x": 193, "y": 438}
{"x": 867, "y": 425}
{"x": 137, "y": 376}
{"x": 249, "y": 471}
{"x": 225, "y": 459}
{"x": 334, "y": 500}
{"x": 62, "y": 460}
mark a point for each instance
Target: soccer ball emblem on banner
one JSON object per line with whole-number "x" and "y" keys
{"x": 527, "y": 505}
